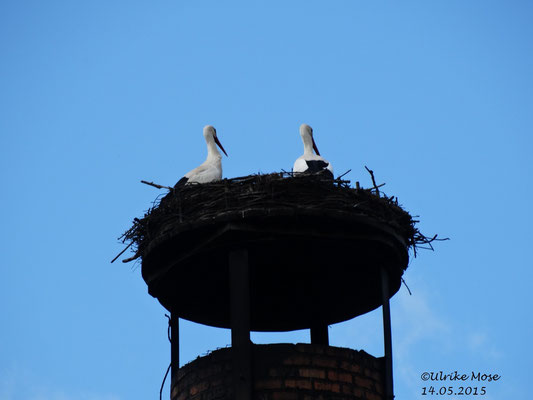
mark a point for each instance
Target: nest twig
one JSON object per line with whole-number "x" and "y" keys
{"x": 197, "y": 202}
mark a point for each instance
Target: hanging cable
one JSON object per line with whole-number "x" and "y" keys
{"x": 163, "y": 384}
{"x": 169, "y": 328}
{"x": 169, "y": 365}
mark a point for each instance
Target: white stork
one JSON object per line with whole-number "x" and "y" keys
{"x": 310, "y": 162}
{"x": 211, "y": 169}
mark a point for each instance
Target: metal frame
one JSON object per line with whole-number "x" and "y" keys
{"x": 174, "y": 350}
{"x": 241, "y": 346}
{"x": 239, "y": 285}
{"x": 387, "y": 334}
{"x": 319, "y": 334}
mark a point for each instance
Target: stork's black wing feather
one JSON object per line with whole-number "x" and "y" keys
{"x": 316, "y": 166}
{"x": 181, "y": 182}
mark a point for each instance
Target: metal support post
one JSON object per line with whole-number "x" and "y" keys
{"x": 174, "y": 351}
{"x": 387, "y": 334}
{"x": 241, "y": 345}
{"x": 319, "y": 334}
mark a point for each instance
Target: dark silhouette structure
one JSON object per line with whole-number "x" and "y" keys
{"x": 277, "y": 254}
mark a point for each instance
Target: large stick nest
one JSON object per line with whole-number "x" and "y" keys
{"x": 203, "y": 202}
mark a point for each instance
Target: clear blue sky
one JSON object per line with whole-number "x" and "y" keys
{"x": 435, "y": 96}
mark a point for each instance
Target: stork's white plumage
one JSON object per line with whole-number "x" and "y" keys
{"x": 309, "y": 161}
{"x": 211, "y": 169}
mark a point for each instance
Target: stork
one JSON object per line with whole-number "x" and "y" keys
{"x": 310, "y": 162}
{"x": 211, "y": 169}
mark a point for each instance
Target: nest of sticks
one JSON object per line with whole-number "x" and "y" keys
{"x": 205, "y": 202}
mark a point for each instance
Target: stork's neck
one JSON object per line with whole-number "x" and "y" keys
{"x": 212, "y": 150}
{"x": 308, "y": 145}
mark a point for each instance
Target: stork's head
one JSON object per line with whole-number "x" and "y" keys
{"x": 210, "y": 134}
{"x": 209, "y": 131}
{"x": 306, "y": 132}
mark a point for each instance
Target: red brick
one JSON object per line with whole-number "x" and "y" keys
{"x": 198, "y": 388}
{"x": 358, "y": 393}
{"x": 363, "y": 382}
{"x": 347, "y": 389}
{"x": 312, "y": 373}
{"x": 181, "y": 373}
{"x": 373, "y": 396}
{"x": 284, "y": 396}
{"x": 333, "y": 376}
{"x": 327, "y": 386}
{"x": 268, "y": 384}
{"x": 339, "y": 376}
{"x": 297, "y": 359}
{"x": 282, "y": 371}
{"x": 325, "y": 362}
{"x": 298, "y": 384}
{"x": 216, "y": 382}
{"x": 309, "y": 372}
{"x": 338, "y": 352}
{"x": 347, "y": 366}
{"x": 204, "y": 373}
{"x": 309, "y": 348}
{"x": 187, "y": 380}
{"x": 219, "y": 392}
{"x": 373, "y": 374}
{"x": 344, "y": 377}
{"x": 377, "y": 376}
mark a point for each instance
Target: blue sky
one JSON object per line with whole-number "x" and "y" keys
{"x": 436, "y": 97}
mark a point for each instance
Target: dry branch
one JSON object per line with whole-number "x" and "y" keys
{"x": 122, "y": 252}
{"x": 376, "y": 187}
{"x": 156, "y": 185}
{"x": 204, "y": 202}
{"x": 340, "y": 176}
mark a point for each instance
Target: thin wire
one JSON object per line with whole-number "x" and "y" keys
{"x": 168, "y": 329}
{"x": 409, "y": 290}
{"x": 163, "y": 384}
{"x": 170, "y": 365}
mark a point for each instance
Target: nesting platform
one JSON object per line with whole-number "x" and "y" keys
{"x": 315, "y": 249}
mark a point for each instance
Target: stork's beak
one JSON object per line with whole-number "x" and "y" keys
{"x": 314, "y": 147}
{"x": 220, "y": 145}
